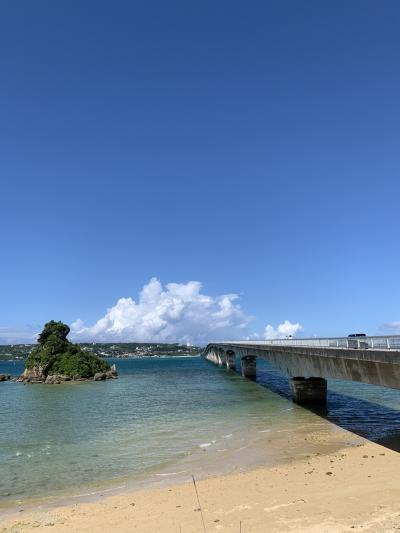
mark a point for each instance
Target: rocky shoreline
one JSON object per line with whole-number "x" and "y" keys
{"x": 36, "y": 375}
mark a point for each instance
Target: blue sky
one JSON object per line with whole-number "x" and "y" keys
{"x": 250, "y": 146}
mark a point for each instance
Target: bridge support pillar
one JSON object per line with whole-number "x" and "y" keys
{"x": 212, "y": 356}
{"x": 221, "y": 357}
{"x": 309, "y": 391}
{"x": 248, "y": 366}
{"x": 230, "y": 360}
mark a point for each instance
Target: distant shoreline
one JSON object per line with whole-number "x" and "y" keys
{"x": 121, "y": 350}
{"x": 114, "y": 357}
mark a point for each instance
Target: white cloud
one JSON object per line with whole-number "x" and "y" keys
{"x": 282, "y": 331}
{"x": 178, "y": 312}
{"x": 394, "y": 327}
{"x": 25, "y": 334}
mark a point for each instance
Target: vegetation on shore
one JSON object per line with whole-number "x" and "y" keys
{"x": 141, "y": 349}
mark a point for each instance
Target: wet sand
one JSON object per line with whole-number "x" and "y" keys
{"x": 355, "y": 488}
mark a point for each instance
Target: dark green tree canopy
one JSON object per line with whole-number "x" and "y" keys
{"x": 53, "y": 328}
{"x": 56, "y": 355}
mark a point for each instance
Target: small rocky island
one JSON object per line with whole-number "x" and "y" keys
{"x": 56, "y": 359}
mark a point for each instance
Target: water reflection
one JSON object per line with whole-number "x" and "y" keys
{"x": 368, "y": 410}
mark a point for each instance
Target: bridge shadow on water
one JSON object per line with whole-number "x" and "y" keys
{"x": 367, "y": 410}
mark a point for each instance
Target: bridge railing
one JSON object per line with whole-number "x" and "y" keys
{"x": 390, "y": 342}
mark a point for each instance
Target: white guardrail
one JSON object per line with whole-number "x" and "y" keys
{"x": 390, "y": 342}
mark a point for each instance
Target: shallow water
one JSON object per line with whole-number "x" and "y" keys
{"x": 161, "y": 417}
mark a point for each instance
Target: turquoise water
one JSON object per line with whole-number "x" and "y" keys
{"x": 157, "y": 419}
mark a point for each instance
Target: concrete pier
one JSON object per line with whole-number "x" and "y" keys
{"x": 374, "y": 360}
{"x": 230, "y": 360}
{"x": 213, "y": 357}
{"x": 248, "y": 366}
{"x": 221, "y": 357}
{"x": 309, "y": 362}
{"x": 309, "y": 390}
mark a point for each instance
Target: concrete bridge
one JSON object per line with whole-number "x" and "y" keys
{"x": 308, "y": 363}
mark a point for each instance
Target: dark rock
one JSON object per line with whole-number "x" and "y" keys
{"x": 4, "y": 377}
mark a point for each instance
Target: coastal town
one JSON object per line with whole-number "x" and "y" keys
{"x": 123, "y": 350}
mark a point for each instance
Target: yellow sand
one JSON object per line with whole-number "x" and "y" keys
{"x": 355, "y": 489}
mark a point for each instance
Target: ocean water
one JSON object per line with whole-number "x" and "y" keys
{"x": 163, "y": 417}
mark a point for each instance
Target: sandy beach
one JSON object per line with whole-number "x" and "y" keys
{"x": 354, "y": 489}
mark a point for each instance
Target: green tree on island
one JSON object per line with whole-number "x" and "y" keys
{"x": 56, "y": 356}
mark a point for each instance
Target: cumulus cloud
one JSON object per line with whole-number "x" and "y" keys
{"x": 282, "y": 331}
{"x": 176, "y": 312}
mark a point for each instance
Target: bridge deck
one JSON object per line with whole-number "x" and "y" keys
{"x": 368, "y": 354}
{"x": 374, "y": 360}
